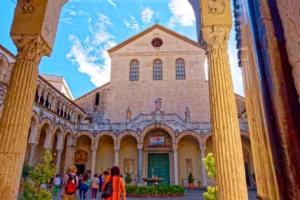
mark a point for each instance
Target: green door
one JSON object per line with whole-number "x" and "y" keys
{"x": 159, "y": 163}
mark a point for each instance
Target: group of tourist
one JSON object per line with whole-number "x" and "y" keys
{"x": 111, "y": 185}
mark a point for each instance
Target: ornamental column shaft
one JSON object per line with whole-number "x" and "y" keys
{"x": 228, "y": 152}
{"x": 204, "y": 180}
{"x": 33, "y": 32}
{"x": 59, "y": 152}
{"x": 94, "y": 154}
{"x": 176, "y": 166}
{"x": 31, "y": 154}
{"x": 140, "y": 172}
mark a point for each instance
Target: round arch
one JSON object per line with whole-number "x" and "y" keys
{"x": 82, "y": 133}
{"x": 49, "y": 133}
{"x": 127, "y": 133}
{"x": 59, "y": 130}
{"x": 158, "y": 126}
{"x": 206, "y": 136}
{"x": 189, "y": 133}
{"x": 103, "y": 133}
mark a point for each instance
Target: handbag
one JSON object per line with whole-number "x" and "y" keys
{"x": 107, "y": 189}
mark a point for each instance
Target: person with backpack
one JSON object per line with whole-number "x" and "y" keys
{"x": 69, "y": 184}
{"x": 100, "y": 182}
{"x": 56, "y": 183}
{"x": 114, "y": 187}
{"x": 83, "y": 189}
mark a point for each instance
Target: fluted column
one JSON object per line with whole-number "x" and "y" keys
{"x": 140, "y": 172}
{"x": 116, "y": 156}
{"x": 59, "y": 152}
{"x": 176, "y": 165}
{"x": 94, "y": 154}
{"x": 17, "y": 112}
{"x": 204, "y": 180}
{"x": 225, "y": 127}
{"x": 31, "y": 154}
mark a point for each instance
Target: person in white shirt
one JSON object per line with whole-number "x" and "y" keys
{"x": 56, "y": 183}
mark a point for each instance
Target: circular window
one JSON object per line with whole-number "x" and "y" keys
{"x": 157, "y": 42}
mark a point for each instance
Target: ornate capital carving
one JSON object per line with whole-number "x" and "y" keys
{"x": 216, "y": 37}
{"x": 31, "y": 47}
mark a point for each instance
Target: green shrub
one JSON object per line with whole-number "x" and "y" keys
{"x": 163, "y": 189}
{"x": 128, "y": 178}
{"x": 131, "y": 189}
{"x": 41, "y": 174}
{"x": 25, "y": 171}
{"x": 191, "y": 178}
{"x": 212, "y": 192}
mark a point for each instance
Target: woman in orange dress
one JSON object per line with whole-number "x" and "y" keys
{"x": 119, "y": 192}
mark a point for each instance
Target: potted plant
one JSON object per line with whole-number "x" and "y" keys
{"x": 25, "y": 174}
{"x": 128, "y": 179}
{"x": 191, "y": 180}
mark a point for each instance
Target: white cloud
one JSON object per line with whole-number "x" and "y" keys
{"x": 67, "y": 20}
{"x": 182, "y": 13}
{"x": 147, "y": 14}
{"x": 132, "y": 24}
{"x": 112, "y": 3}
{"x": 90, "y": 54}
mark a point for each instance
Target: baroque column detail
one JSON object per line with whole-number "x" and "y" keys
{"x": 31, "y": 154}
{"x": 140, "y": 169}
{"x": 175, "y": 151}
{"x": 225, "y": 126}
{"x": 204, "y": 179}
{"x": 14, "y": 124}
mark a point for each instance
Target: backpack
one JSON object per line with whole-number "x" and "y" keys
{"x": 71, "y": 186}
{"x": 108, "y": 189}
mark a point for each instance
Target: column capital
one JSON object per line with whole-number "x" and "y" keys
{"x": 31, "y": 47}
{"x": 117, "y": 148}
{"x": 216, "y": 37}
{"x": 59, "y": 151}
{"x": 140, "y": 146}
{"x": 32, "y": 145}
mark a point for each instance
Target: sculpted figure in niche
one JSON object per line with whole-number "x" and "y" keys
{"x": 129, "y": 166}
{"x": 187, "y": 114}
{"x": 216, "y": 6}
{"x": 189, "y": 166}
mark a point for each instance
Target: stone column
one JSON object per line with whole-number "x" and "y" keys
{"x": 175, "y": 150}
{"x": 140, "y": 172}
{"x": 33, "y": 32}
{"x": 94, "y": 154}
{"x": 225, "y": 127}
{"x": 69, "y": 158}
{"x": 117, "y": 156}
{"x": 59, "y": 152}
{"x": 31, "y": 154}
{"x": 204, "y": 181}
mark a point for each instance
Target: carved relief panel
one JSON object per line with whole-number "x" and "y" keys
{"x": 81, "y": 157}
{"x": 189, "y": 166}
{"x": 129, "y": 166}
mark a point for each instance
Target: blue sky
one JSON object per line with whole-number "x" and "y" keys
{"x": 88, "y": 28}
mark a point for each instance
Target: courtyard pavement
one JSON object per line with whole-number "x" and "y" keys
{"x": 189, "y": 195}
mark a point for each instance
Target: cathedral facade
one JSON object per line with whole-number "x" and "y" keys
{"x": 151, "y": 119}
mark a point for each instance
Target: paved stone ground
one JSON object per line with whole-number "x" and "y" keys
{"x": 189, "y": 195}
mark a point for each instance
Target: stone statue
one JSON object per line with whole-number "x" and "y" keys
{"x": 128, "y": 114}
{"x": 158, "y": 103}
{"x": 187, "y": 114}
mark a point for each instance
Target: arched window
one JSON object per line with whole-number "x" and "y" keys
{"x": 180, "y": 69}
{"x": 134, "y": 70}
{"x": 157, "y": 70}
{"x": 97, "y": 99}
